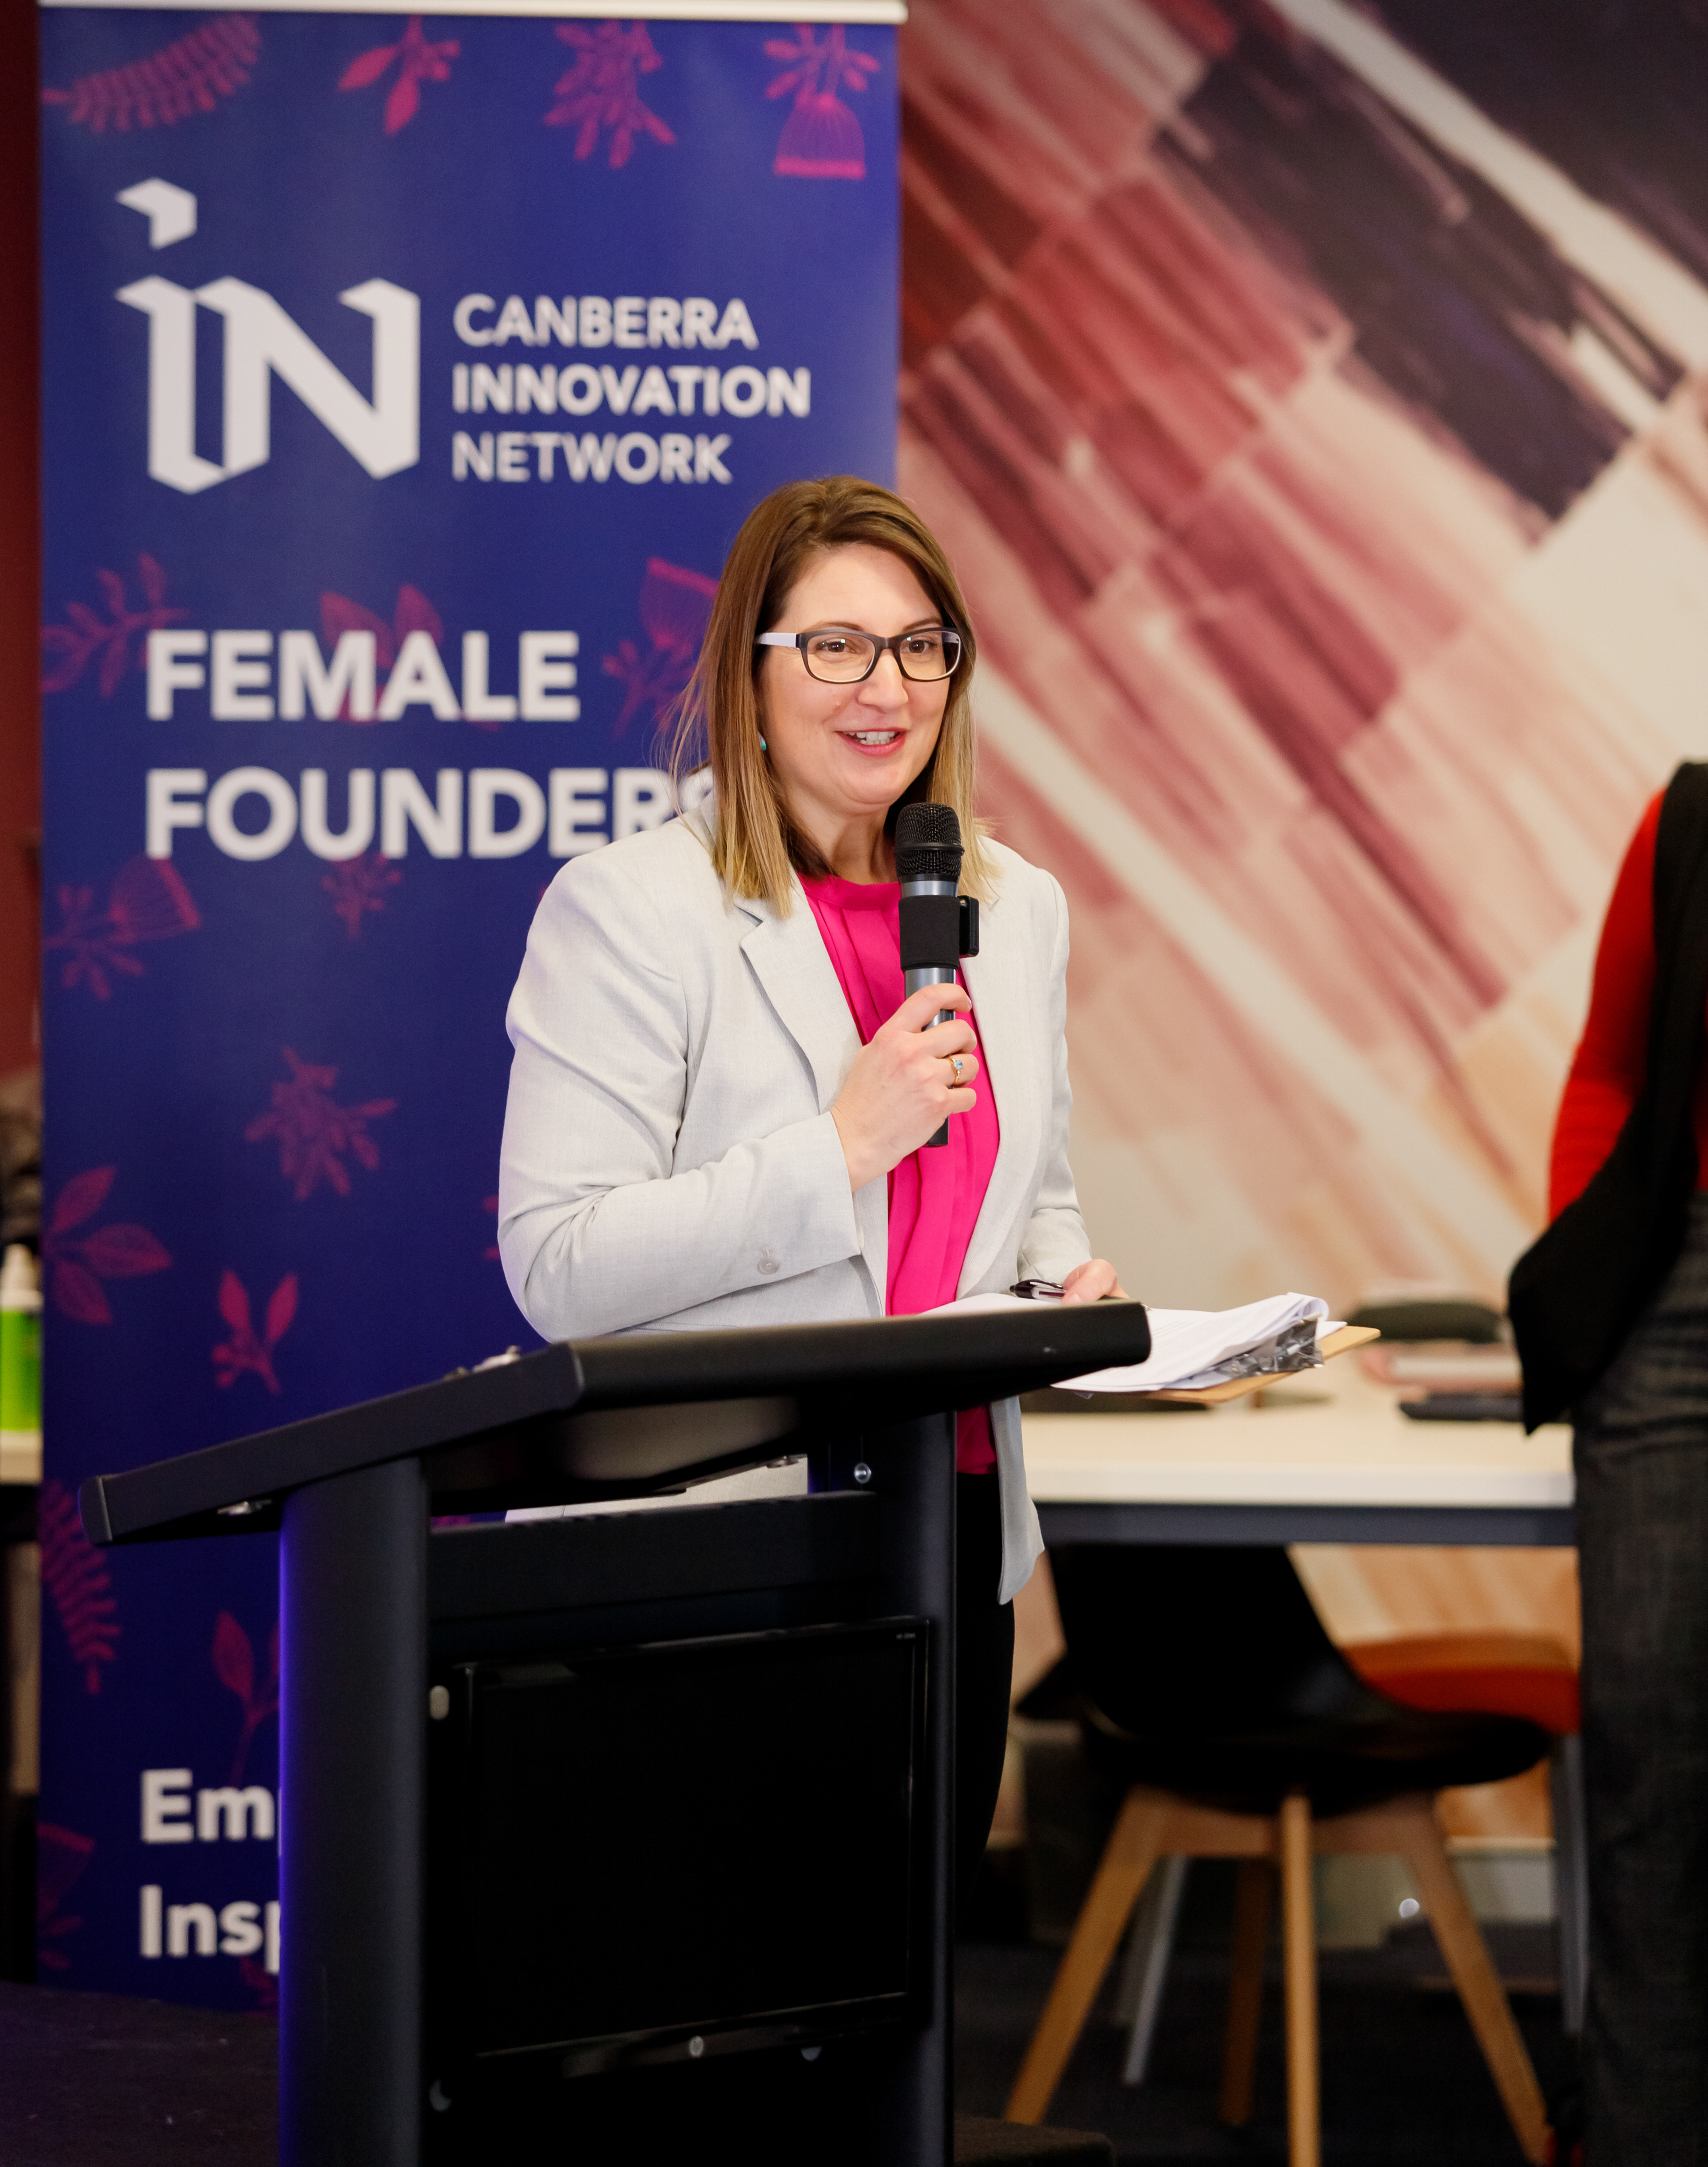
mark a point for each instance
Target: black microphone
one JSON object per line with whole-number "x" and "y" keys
{"x": 928, "y": 864}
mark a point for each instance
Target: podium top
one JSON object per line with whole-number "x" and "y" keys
{"x": 622, "y": 1417}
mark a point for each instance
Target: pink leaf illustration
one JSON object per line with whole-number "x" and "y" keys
{"x": 189, "y": 75}
{"x": 234, "y": 1303}
{"x": 243, "y": 1351}
{"x": 358, "y": 886}
{"x": 675, "y": 605}
{"x": 340, "y": 615}
{"x": 150, "y": 902}
{"x": 280, "y": 1308}
{"x": 76, "y": 1264}
{"x": 234, "y": 1659}
{"x": 81, "y": 1198}
{"x": 416, "y": 613}
{"x": 78, "y": 1292}
{"x": 420, "y": 60}
{"x": 368, "y": 67}
{"x": 76, "y": 644}
{"x": 313, "y": 1132}
{"x": 124, "y": 1253}
{"x": 147, "y": 901}
{"x": 601, "y": 90}
{"x": 76, "y": 1581}
{"x": 402, "y": 103}
{"x": 61, "y": 1857}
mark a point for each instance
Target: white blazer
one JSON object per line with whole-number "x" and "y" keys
{"x": 670, "y": 1160}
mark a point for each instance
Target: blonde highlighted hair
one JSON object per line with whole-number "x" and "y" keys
{"x": 756, "y": 846}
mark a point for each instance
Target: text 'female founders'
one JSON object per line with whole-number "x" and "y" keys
{"x": 719, "y": 1097}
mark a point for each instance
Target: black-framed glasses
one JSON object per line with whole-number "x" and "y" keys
{"x": 839, "y": 656}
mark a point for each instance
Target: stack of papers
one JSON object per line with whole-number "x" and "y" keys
{"x": 1192, "y": 1349}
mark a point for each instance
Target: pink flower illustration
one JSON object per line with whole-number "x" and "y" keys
{"x": 417, "y": 61}
{"x": 674, "y": 607}
{"x": 147, "y": 901}
{"x": 78, "y": 1263}
{"x": 820, "y": 139}
{"x": 68, "y": 649}
{"x": 76, "y": 1583}
{"x": 245, "y": 1349}
{"x": 61, "y": 1857}
{"x": 414, "y": 613}
{"x": 313, "y": 1132}
{"x": 601, "y": 90}
{"x": 358, "y": 886}
{"x": 234, "y": 1666}
{"x": 188, "y": 76}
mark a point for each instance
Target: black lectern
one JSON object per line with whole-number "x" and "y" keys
{"x": 458, "y": 1711}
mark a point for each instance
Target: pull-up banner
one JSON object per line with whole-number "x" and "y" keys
{"x": 406, "y": 378}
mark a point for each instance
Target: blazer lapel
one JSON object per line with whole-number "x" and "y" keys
{"x": 789, "y": 959}
{"x": 1008, "y": 1023}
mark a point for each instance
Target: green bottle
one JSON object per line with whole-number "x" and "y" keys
{"x": 20, "y": 1348}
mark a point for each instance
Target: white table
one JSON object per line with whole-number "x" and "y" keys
{"x": 1326, "y": 1457}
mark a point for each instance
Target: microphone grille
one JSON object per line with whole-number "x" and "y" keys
{"x": 927, "y": 843}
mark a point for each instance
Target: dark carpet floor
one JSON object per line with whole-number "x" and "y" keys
{"x": 1402, "y": 2079}
{"x": 93, "y": 2081}
{"x": 96, "y": 2080}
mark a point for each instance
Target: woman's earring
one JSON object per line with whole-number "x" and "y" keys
{"x": 763, "y": 747}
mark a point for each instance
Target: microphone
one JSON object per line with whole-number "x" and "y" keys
{"x": 927, "y": 863}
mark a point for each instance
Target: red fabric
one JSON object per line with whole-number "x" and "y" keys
{"x": 1612, "y": 1058}
{"x": 934, "y": 1195}
{"x": 1546, "y": 1697}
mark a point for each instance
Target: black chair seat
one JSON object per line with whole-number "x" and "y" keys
{"x": 1341, "y": 1767}
{"x": 1204, "y": 1670}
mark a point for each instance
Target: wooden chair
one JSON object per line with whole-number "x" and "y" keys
{"x": 1207, "y": 1682}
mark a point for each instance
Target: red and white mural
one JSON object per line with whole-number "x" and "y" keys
{"x": 1312, "y": 397}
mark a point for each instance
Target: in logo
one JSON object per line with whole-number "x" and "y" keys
{"x": 262, "y": 342}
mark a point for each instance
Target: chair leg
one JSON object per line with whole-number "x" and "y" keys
{"x": 1126, "y": 1863}
{"x": 1299, "y": 1965}
{"x": 1254, "y": 1896}
{"x": 1466, "y": 1954}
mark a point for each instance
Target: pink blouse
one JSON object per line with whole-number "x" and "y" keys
{"x": 934, "y": 1195}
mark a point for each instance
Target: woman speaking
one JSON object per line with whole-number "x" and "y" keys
{"x": 719, "y": 1096}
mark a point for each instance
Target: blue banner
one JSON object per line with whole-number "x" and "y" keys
{"x": 405, "y": 380}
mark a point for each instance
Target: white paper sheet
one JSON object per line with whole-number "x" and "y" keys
{"x": 1190, "y": 1348}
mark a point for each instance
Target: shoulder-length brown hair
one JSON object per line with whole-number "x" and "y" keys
{"x": 755, "y": 844}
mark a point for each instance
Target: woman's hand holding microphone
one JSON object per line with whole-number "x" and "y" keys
{"x": 904, "y": 1082}
{"x": 912, "y": 1075}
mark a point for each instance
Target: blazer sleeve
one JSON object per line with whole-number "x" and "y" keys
{"x": 1054, "y": 1240}
{"x": 598, "y": 1230}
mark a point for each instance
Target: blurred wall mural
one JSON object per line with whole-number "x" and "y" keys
{"x": 1313, "y": 398}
